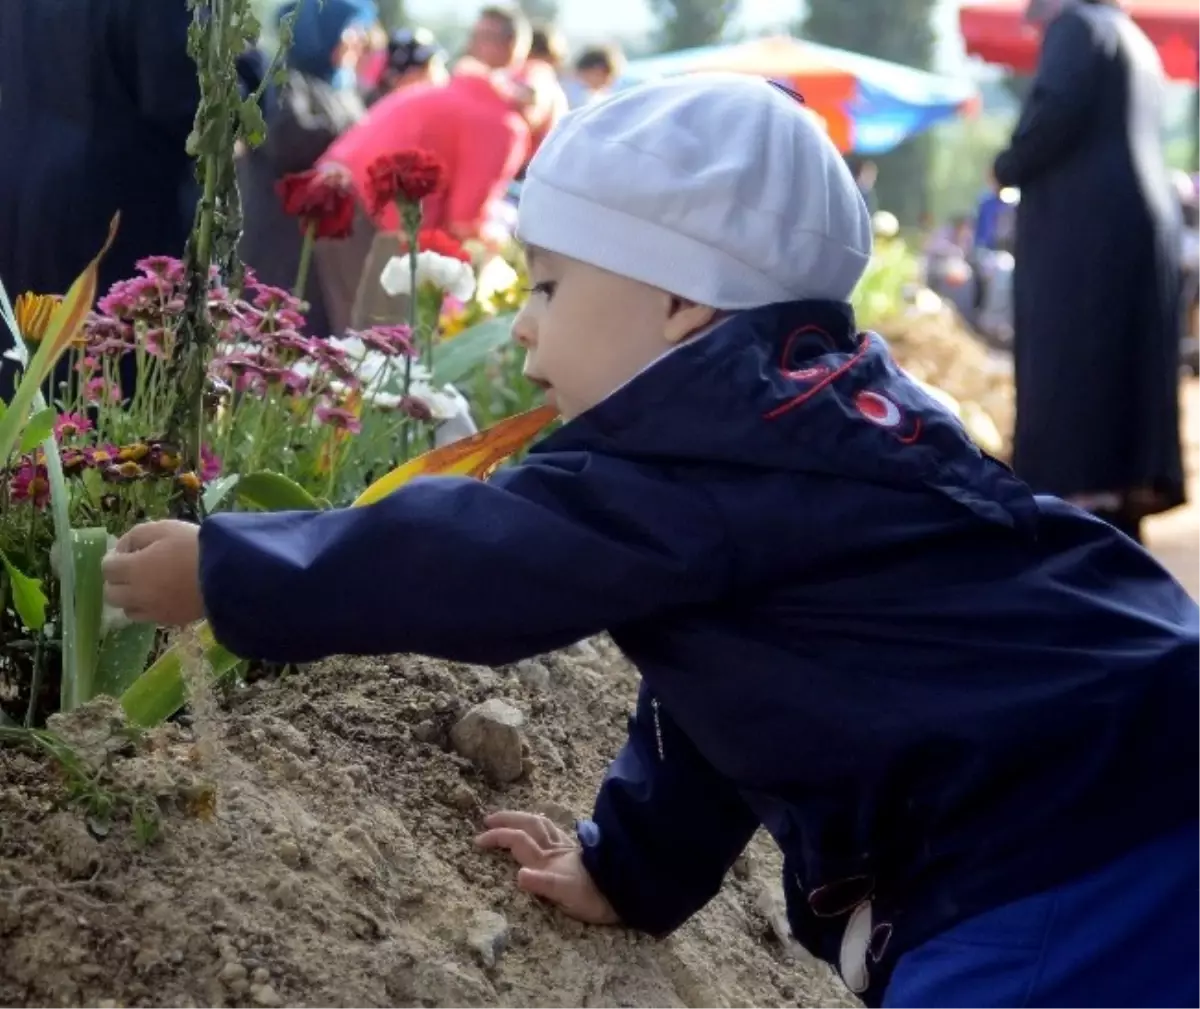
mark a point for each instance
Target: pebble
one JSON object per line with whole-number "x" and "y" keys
{"x": 265, "y": 995}
{"x": 261, "y": 976}
{"x": 489, "y": 735}
{"x": 425, "y": 731}
{"x": 232, "y": 972}
{"x": 533, "y": 674}
{"x": 487, "y": 935}
{"x": 461, "y": 797}
{"x": 289, "y": 853}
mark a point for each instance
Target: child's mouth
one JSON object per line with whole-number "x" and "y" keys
{"x": 546, "y": 388}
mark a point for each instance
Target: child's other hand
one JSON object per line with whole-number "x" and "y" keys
{"x": 551, "y": 866}
{"x": 154, "y": 576}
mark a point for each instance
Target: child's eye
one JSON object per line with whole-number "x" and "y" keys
{"x": 546, "y": 288}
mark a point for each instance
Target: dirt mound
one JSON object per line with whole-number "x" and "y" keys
{"x": 937, "y": 348}
{"x": 308, "y": 841}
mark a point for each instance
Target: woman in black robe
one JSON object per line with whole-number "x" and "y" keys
{"x": 1097, "y": 275}
{"x": 97, "y": 98}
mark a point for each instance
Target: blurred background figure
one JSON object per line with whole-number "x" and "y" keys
{"x": 413, "y": 57}
{"x": 318, "y": 101}
{"x": 866, "y": 174}
{"x": 89, "y": 129}
{"x": 500, "y": 39}
{"x": 1097, "y": 270}
{"x": 547, "y": 101}
{"x": 596, "y": 70}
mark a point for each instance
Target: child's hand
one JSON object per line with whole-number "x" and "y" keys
{"x": 550, "y": 864}
{"x": 154, "y": 576}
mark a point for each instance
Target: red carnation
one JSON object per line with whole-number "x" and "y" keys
{"x": 436, "y": 240}
{"x": 321, "y": 199}
{"x": 405, "y": 177}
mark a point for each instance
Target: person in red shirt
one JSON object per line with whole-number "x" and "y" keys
{"x": 474, "y": 125}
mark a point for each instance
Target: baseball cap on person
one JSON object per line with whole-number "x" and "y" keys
{"x": 719, "y": 188}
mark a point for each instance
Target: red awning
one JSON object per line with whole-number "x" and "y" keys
{"x": 996, "y": 32}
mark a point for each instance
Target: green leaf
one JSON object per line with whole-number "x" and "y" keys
{"x": 93, "y": 483}
{"x": 275, "y": 492}
{"x": 88, "y": 547}
{"x": 456, "y": 358}
{"x": 215, "y": 493}
{"x": 10, "y": 320}
{"x": 124, "y": 653}
{"x": 38, "y": 429}
{"x": 161, "y": 690}
{"x": 253, "y": 123}
{"x": 27, "y": 596}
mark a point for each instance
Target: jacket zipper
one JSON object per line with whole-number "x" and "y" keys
{"x": 658, "y": 736}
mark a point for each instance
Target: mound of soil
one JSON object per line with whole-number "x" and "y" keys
{"x": 937, "y": 347}
{"x": 308, "y": 841}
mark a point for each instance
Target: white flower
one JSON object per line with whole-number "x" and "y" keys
{"x": 495, "y": 278}
{"x": 451, "y": 275}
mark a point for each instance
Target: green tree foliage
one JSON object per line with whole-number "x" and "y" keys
{"x": 900, "y": 31}
{"x": 685, "y": 24}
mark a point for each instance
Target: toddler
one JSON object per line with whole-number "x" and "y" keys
{"x": 966, "y": 714}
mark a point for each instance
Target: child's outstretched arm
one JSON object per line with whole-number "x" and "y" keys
{"x": 666, "y": 829}
{"x": 545, "y": 554}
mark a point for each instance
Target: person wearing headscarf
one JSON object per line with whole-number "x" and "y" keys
{"x": 1096, "y": 296}
{"x": 97, "y": 98}
{"x": 318, "y": 101}
{"x": 413, "y": 57}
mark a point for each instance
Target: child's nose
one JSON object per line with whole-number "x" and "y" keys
{"x": 523, "y": 330}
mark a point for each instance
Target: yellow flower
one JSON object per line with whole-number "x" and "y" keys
{"x": 33, "y": 313}
{"x": 452, "y": 323}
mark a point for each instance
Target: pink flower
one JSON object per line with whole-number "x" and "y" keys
{"x": 156, "y": 341}
{"x": 167, "y": 267}
{"x": 30, "y": 483}
{"x": 389, "y": 340}
{"x": 73, "y": 460}
{"x": 274, "y": 299}
{"x": 336, "y": 416}
{"x": 101, "y": 455}
{"x": 210, "y": 465}
{"x": 293, "y": 381}
{"x": 69, "y": 425}
{"x": 99, "y": 389}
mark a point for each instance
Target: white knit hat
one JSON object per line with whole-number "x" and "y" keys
{"x": 719, "y": 188}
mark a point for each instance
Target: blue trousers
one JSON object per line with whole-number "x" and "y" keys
{"x": 1128, "y": 935}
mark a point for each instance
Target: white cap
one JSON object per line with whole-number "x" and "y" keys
{"x": 719, "y": 188}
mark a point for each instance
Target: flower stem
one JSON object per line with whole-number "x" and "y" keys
{"x": 306, "y": 251}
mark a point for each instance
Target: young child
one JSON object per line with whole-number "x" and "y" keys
{"x": 968, "y": 716}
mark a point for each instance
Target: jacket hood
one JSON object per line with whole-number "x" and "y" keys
{"x": 795, "y": 387}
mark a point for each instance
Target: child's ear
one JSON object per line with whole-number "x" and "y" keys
{"x": 685, "y": 318}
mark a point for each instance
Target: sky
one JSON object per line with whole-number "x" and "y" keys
{"x": 596, "y": 20}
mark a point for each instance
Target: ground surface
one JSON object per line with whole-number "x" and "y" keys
{"x": 1175, "y": 537}
{"x": 316, "y": 849}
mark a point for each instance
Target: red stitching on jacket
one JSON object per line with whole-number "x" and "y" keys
{"x": 833, "y": 376}
{"x": 800, "y": 374}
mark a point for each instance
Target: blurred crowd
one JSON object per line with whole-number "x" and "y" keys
{"x": 353, "y": 94}
{"x": 88, "y": 128}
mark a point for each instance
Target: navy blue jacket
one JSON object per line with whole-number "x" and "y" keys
{"x": 934, "y": 690}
